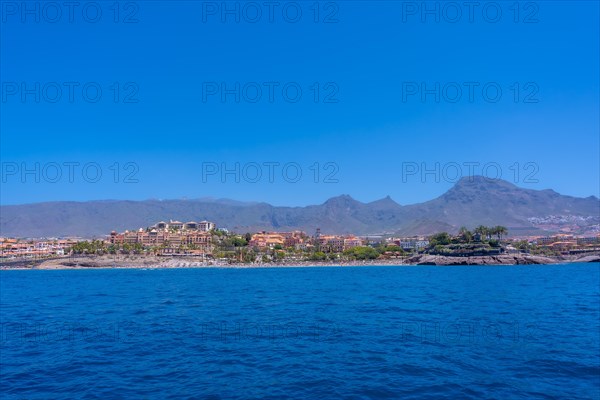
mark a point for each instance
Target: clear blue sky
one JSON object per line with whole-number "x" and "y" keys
{"x": 370, "y": 62}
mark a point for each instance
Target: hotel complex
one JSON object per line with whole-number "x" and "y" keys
{"x": 170, "y": 238}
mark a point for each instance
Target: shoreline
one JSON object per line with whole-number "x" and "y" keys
{"x": 153, "y": 262}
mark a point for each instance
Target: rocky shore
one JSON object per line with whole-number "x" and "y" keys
{"x": 89, "y": 262}
{"x": 508, "y": 259}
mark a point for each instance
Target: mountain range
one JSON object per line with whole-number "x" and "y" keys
{"x": 470, "y": 202}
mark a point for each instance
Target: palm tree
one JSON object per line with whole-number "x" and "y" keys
{"x": 465, "y": 234}
{"x": 483, "y": 231}
{"x": 500, "y": 230}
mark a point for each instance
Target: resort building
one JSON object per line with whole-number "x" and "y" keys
{"x": 203, "y": 226}
{"x": 304, "y": 246}
{"x": 352, "y": 241}
{"x": 206, "y": 226}
{"x": 175, "y": 225}
{"x": 191, "y": 225}
{"x": 291, "y": 239}
{"x": 590, "y": 240}
{"x": 412, "y": 243}
{"x": 174, "y": 237}
{"x": 264, "y": 240}
{"x": 337, "y": 244}
{"x": 563, "y": 246}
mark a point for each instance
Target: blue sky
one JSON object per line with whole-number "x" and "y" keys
{"x": 379, "y": 84}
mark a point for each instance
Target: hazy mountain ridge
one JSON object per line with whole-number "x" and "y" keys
{"x": 471, "y": 201}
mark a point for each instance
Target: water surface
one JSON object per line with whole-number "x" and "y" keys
{"x": 508, "y": 332}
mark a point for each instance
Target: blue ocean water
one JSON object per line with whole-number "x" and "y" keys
{"x": 509, "y": 332}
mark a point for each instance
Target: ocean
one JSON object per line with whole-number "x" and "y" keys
{"x": 501, "y": 332}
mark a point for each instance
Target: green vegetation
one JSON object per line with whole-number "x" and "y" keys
{"x": 465, "y": 235}
{"x": 482, "y": 240}
{"x": 98, "y": 247}
{"x": 318, "y": 256}
{"x": 93, "y": 247}
{"x": 361, "y": 253}
{"x": 439, "y": 239}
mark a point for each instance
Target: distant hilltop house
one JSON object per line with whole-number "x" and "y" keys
{"x": 173, "y": 237}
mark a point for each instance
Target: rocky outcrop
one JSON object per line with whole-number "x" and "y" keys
{"x": 586, "y": 259}
{"x": 505, "y": 259}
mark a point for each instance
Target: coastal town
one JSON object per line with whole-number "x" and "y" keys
{"x": 207, "y": 243}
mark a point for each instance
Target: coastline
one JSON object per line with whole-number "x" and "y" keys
{"x": 153, "y": 262}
